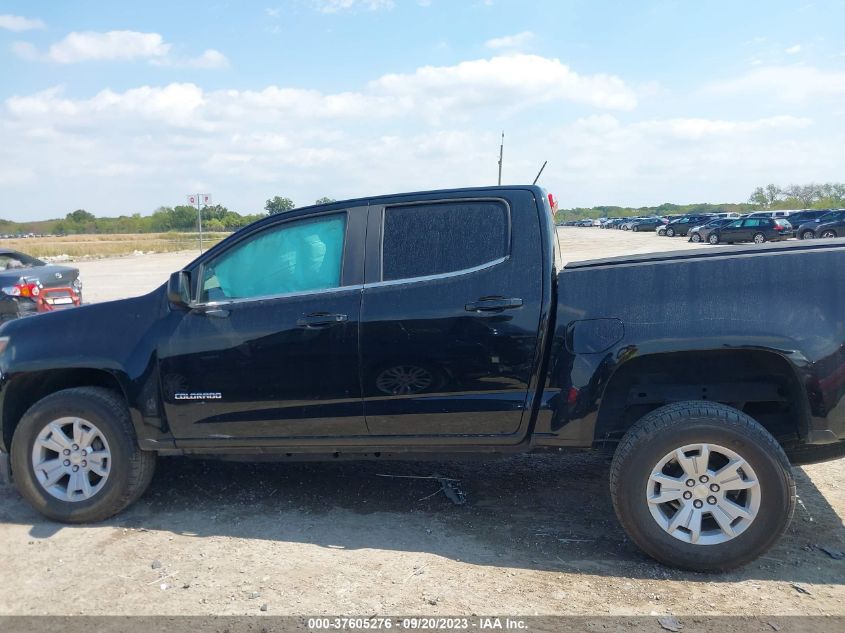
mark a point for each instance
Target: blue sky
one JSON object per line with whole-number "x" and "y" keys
{"x": 123, "y": 107}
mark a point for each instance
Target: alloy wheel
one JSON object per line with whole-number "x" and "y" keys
{"x": 71, "y": 459}
{"x": 703, "y": 494}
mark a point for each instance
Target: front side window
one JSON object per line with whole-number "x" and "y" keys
{"x": 734, "y": 225}
{"x": 431, "y": 239}
{"x": 292, "y": 257}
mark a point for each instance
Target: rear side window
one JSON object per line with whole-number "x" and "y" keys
{"x": 432, "y": 239}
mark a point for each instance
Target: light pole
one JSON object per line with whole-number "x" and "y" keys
{"x": 201, "y": 200}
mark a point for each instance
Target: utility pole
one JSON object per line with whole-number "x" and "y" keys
{"x": 501, "y": 154}
{"x": 201, "y": 200}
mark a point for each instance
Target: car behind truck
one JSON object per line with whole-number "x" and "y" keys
{"x": 439, "y": 324}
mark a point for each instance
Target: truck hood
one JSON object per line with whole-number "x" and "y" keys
{"x": 102, "y": 335}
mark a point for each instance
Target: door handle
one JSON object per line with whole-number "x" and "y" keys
{"x": 320, "y": 319}
{"x": 493, "y": 304}
{"x": 220, "y": 313}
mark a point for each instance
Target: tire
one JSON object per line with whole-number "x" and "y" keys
{"x": 713, "y": 238}
{"x": 828, "y": 234}
{"x": 768, "y": 482}
{"x": 695, "y": 237}
{"x": 635, "y": 229}
{"x": 670, "y": 232}
{"x": 128, "y": 470}
{"x": 807, "y": 235}
{"x": 624, "y": 227}
{"x": 759, "y": 238}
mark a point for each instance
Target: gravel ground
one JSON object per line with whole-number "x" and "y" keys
{"x": 537, "y": 535}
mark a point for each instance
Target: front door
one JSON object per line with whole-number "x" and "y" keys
{"x": 271, "y": 348}
{"x": 450, "y": 316}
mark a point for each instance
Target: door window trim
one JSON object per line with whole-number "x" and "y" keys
{"x": 454, "y": 273}
{"x": 258, "y": 231}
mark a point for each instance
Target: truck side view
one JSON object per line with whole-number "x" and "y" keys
{"x": 440, "y": 324}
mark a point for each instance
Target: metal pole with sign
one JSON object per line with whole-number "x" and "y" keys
{"x": 201, "y": 200}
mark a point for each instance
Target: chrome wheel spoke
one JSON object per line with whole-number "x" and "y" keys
{"x": 729, "y": 477}
{"x": 682, "y": 517}
{"x": 670, "y": 488}
{"x": 694, "y": 526}
{"x": 687, "y": 463}
{"x": 51, "y": 444}
{"x": 97, "y": 462}
{"x": 723, "y": 520}
{"x": 53, "y": 470}
{"x": 58, "y": 435}
{"x": 701, "y": 460}
{"x": 733, "y": 510}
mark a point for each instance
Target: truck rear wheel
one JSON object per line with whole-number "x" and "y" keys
{"x": 701, "y": 486}
{"x": 75, "y": 456}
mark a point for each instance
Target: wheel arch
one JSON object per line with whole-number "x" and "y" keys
{"x": 23, "y": 391}
{"x": 761, "y": 383}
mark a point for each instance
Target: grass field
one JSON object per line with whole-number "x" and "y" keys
{"x": 85, "y": 246}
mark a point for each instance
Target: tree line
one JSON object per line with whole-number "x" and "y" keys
{"x": 829, "y": 195}
{"x": 181, "y": 218}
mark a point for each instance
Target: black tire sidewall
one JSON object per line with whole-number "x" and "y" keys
{"x": 771, "y": 520}
{"x": 110, "y": 498}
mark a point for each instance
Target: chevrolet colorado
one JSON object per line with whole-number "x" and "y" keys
{"x": 440, "y": 324}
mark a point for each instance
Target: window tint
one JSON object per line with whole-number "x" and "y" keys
{"x": 431, "y": 239}
{"x": 735, "y": 224}
{"x": 291, "y": 257}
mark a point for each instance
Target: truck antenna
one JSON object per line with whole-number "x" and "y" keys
{"x": 540, "y": 172}
{"x": 501, "y": 154}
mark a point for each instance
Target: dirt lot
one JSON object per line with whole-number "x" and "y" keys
{"x": 537, "y": 535}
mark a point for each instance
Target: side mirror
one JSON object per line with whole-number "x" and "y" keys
{"x": 179, "y": 289}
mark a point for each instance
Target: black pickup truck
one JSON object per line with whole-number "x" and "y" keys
{"x": 440, "y": 324}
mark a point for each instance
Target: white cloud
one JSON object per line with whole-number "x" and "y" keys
{"x": 92, "y": 46}
{"x": 211, "y": 59}
{"x": 132, "y": 150}
{"x": 336, "y": 6}
{"x": 19, "y": 23}
{"x": 510, "y": 42}
{"x": 88, "y": 46}
{"x": 792, "y": 50}
{"x": 513, "y": 81}
{"x": 794, "y": 83}
{"x": 415, "y": 130}
{"x": 273, "y": 13}
{"x": 603, "y": 160}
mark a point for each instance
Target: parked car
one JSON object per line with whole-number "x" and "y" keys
{"x": 701, "y": 233}
{"x": 647, "y": 224}
{"x": 300, "y": 336}
{"x": 757, "y": 230}
{"x": 782, "y": 213}
{"x": 807, "y": 230}
{"x": 831, "y": 227}
{"x": 682, "y": 225}
{"x": 29, "y": 285}
{"x": 802, "y": 217}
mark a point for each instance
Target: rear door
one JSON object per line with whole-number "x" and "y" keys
{"x": 450, "y": 314}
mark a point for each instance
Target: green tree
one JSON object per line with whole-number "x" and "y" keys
{"x": 80, "y": 216}
{"x": 277, "y": 204}
{"x": 324, "y": 200}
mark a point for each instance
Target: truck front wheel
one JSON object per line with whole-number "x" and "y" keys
{"x": 75, "y": 457}
{"x": 701, "y": 486}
